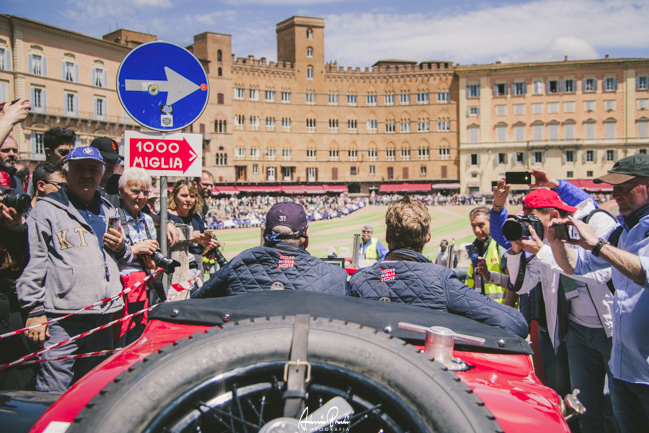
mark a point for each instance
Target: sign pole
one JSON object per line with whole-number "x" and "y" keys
{"x": 163, "y": 225}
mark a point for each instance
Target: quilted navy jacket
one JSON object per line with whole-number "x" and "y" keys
{"x": 275, "y": 266}
{"x": 414, "y": 280}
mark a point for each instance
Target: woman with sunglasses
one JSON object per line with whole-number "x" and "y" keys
{"x": 184, "y": 207}
{"x": 140, "y": 234}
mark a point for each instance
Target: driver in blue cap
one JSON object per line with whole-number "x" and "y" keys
{"x": 282, "y": 263}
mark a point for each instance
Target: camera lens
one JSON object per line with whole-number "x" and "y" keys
{"x": 21, "y": 202}
{"x": 167, "y": 265}
{"x": 512, "y": 230}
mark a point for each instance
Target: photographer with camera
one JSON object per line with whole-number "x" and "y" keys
{"x": 14, "y": 250}
{"x": 74, "y": 257}
{"x": 624, "y": 251}
{"x": 577, "y": 309}
{"x": 140, "y": 234}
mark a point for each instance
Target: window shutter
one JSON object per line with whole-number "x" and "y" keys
{"x": 30, "y": 63}
{"x": 468, "y": 111}
{"x": 583, "y": 156}
{"x": 8, "y": 60}
{"x": 105, "y": 81}
{"x": 44, "y": 100}
{"x": 495, "y": 89}
{"x": 76, "y": 72}
{"x": 615, "y": 88}
{"x": 547, "y": 87}
{"x": 76, "y": 105}
{"x": 525, "y": 88}
{"x": 32, "y": 141}
{"x": 543, "y": 156}
{"x": 3, "y": 92}
{"x": 31, "y": 94}
{"x": 478, "y": 90}
{"x": 563, "y": 157}
{"x": 316, "y": 174}
{"x": 615, "y": 155}
{"x": 94, "y": 108}
{"x": 94, "y": 76}
{"x": 594, "y": 84}
{"x": 44, "y": 66}
{"x": 478, "y": 159}
{"x": 637, "y": 83}
{"x": 63, "y": 69}
{"x": 507, "y": 86}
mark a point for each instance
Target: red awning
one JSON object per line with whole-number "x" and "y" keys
{"x": 222, "y": 189}
{"x": 446, "y": 186}
{"x": 335, "y": 188}
{"x": 405, "y": 187}
{"x": 589, "y": 186}
{"x": 259, "y": 189}
{"x": 303, "y": 189}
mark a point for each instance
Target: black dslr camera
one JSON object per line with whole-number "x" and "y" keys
{"x": 20, "y": 202}
{"x": 167, "y": 265}
{"x": 517, "y": 227}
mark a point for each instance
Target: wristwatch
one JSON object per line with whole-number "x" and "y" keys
{"x": 497, "y": 208}
{"x": 598, "y": 246}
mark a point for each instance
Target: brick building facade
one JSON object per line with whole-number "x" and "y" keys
{"x": 301, "y": 120}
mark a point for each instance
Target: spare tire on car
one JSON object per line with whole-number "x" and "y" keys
{"x": 232, "y": 380}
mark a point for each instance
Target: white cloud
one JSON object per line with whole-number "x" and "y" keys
{"x": 281, "y": 2}
{"x": 153, "y": 3}
{"x": 532, "y": 31}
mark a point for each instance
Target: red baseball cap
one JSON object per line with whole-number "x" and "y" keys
{"x": 545, "y": 198}
{"x": 5, "y": 179}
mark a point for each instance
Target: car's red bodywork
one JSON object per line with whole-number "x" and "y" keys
{"x": 505, "y": 383}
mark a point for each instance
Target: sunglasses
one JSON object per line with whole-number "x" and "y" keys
{"x": 54, "y": 182}
{"x": 207, "y": 185}
{"x": 63, "y": 152}
{"x": 137, "y": 192}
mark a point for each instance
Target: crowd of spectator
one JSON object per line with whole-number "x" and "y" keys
{"x": 250, "y": 211}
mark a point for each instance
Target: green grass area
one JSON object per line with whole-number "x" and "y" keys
{"x": 339, "y": 233}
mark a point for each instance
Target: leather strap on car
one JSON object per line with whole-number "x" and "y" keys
{"x": 297, "y": 372}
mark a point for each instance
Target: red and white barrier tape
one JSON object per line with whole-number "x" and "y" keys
{"x": 96, "y": 304}
{"x": 95, "y": 330}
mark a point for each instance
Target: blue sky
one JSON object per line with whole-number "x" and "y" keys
{"x": 360, "y": 32}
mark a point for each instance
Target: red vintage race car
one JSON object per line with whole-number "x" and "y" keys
{"x": 283, "y": 361}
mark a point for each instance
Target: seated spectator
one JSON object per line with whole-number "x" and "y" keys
{"x": 408, "y": 277}
{"x": 282, "y": 263}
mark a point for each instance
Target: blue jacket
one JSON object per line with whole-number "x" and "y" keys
{"x": 413, "y": 279}
{"x": 275, "y": 266}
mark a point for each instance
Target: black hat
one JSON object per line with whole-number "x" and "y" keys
{"x": 108, "y": 148}
{"x": 289, "y": 214}
{"x": 626, "y": 169}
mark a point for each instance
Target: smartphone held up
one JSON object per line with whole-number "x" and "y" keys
{"x": 518, "y": 178}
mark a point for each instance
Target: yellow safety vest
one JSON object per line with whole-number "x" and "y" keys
{"x": 370, "y": 250}
{"x": 492, "y": 259}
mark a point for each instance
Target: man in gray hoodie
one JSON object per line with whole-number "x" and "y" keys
{"x": 73, "y": 263}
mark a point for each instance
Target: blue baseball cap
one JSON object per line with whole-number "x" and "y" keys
{"x": 85, "y": 152}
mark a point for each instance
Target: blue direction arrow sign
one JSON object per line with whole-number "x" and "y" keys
{"x": 162, "y": 86}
